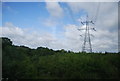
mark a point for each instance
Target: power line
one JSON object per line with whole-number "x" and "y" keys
{"x": 97, "y": 12}
{"x": 87, "y": 46}
{"x": 70, "y": 13}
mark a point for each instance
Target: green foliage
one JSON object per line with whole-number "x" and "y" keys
{"x": 20, "y": 62}
{"x": 5, "y": 41}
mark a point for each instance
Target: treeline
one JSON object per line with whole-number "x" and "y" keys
{"x": 20, "y": 62}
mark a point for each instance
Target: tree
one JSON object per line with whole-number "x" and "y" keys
{"x": 5, "y": 42}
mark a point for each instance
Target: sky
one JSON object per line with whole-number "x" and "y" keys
{"x": 54, "y": 24}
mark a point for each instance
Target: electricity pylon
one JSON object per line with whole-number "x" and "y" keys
{"x": 87, "y": 46}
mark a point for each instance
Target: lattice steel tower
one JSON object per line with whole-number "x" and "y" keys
{"x": 87, "y": 47}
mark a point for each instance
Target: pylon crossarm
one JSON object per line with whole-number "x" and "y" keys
{"x": 82, "y": 35}
{"x": 87, "y": 47}
{"x": 92, "y": 22}
{"x": 93, "y": 29}
{"x": 81, "y": 29}
{"x": 83, "y": 23}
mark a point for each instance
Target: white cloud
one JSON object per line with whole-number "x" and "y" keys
{"x": 49, "y": 22}
{"x": 88, "y": 7}
{"x": 105, "y": 38}
{"x": 71, "y": 40}
{"x": 20, "y": 36}
{"x": 108, "y": 12}
{"x": 54, "y": 9}
{"x": 71, "y": 31}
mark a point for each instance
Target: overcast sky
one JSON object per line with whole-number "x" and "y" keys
{"x": 54, "y": 24}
